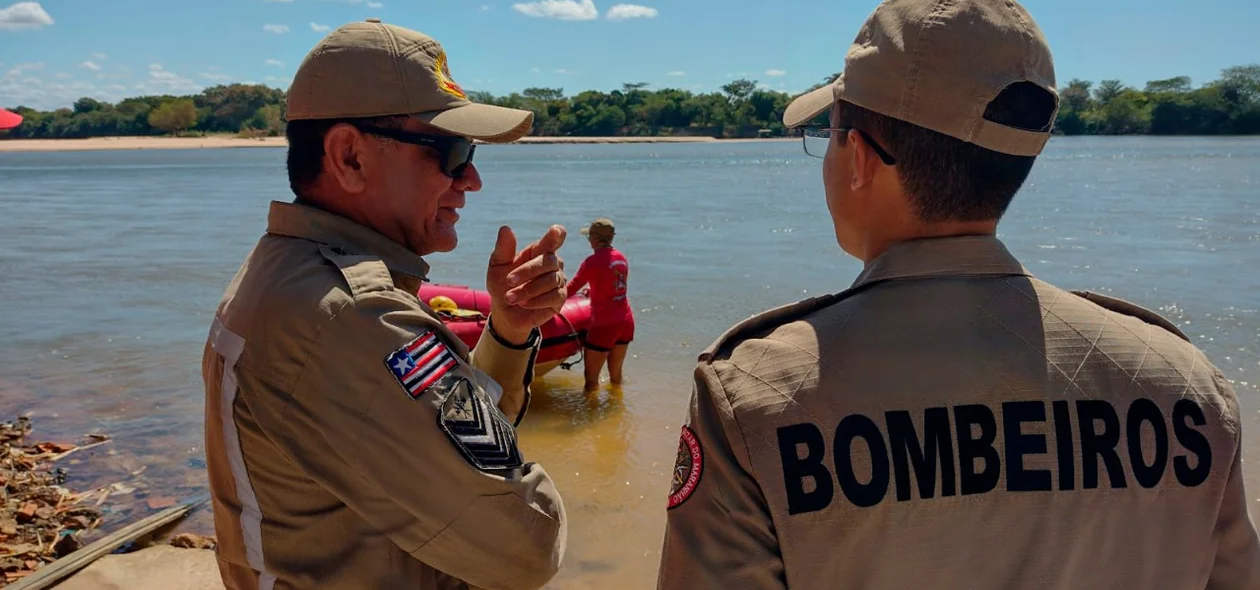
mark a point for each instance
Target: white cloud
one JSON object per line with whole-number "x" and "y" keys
{"x": 161, "y": 80}
{"x": 318, "y": 28}
{"x": 535, "y": 70}
{"x": 24, "y": 15}
{"x": 627, "y": 11}
{"x": 275, "y": 62}
{"x": 559, "y": 9}
{"x": 563, "y": 71}
{"x": 22, "y": 68}
{"x": 676, "y": 73}
{"x": 215, "y": 76}
{"x": 63, "y": 76}
{"x": 87, "y": 65}
{"x": 776, "y": 73}
{"x": 375, "y": 5}
{"x": 484, "y": 8}
{"x": 277, "y": 29}
{"x": 20, "y": 87}
{"x": 99, "y": 55}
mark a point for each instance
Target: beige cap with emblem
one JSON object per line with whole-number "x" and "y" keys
{"x": 601, "y": 229}
{"x": 938, "y": 64}
{"x": 371, "y": 69}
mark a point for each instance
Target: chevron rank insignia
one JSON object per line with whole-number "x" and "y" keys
{"x": 477, "y": 427}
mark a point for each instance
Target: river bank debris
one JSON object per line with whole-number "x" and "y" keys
{"x": 40, "y": 520}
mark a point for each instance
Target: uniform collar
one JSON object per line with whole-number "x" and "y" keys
{"x": 942, "y": 257}
{"x": 309, "y": 223}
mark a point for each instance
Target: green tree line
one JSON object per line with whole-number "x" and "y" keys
{"x": 1228, "y": 105}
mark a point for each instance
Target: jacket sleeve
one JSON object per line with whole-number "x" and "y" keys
{"x": 424, "y": 454}
{"x": 718, "y": 531}
{"x": 511, "y": 367}
{"x": 1237, "y": 563}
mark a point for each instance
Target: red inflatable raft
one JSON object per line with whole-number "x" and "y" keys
{"x": 561, "y": 337}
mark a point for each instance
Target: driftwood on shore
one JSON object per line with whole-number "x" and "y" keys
{"x": 80, "y": 559}
{"x": 40, "y": 521}
{"x": 43, "y": 524}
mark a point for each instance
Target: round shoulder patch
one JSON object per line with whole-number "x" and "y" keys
{"x": 687, "y": 468}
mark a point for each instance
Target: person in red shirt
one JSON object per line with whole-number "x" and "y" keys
{"x": 612, "y": 322}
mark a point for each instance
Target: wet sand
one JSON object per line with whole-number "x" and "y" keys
{"x": 225, "y": 141}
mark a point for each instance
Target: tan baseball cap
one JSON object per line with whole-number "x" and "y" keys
{"x": 601, "y": 229}
{"x": 371, "y": 69}
{"x": 938, "y": 64}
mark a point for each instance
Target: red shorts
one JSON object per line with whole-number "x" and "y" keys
{"x": 604, "y": 337}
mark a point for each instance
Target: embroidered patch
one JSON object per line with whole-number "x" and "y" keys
{"x": 687, "y": 468}
{"x": 477, "y": 427}
{"x": 443, "y": 72}
{"x": 421, "y": 363}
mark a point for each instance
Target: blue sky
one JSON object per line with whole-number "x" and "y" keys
{"x": 54, "y": 51}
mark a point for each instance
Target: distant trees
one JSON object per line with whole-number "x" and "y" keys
{"x": 1228, "y": 105}
{"x": 742, "y": 108}
{"x": 174, "y": 116}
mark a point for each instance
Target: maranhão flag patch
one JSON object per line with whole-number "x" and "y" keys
{"x": 421, "y": 363}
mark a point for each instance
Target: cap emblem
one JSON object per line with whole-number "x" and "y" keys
{"x": 443, "y": 73}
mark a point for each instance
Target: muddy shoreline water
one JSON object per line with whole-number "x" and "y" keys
{"x": 43, "y": 519}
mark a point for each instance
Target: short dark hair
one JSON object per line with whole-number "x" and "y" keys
{"x": 305, "y": 160}
{"x": 948, "y": 179}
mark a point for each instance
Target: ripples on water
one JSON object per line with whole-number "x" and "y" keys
{"x": 113, "y": 262}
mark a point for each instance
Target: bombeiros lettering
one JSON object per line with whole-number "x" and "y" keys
{"x": 957, "y": 451}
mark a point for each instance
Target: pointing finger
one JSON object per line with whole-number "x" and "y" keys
{"x": 530, "y": 269}
{"x": 550, "y": 242}
{"x": 553, "y": 239}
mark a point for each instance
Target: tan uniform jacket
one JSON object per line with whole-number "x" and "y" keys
{"x": 353, "y": 441}
{"x": 952, "y": 422}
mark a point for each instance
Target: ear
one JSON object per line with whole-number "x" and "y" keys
{"x": 344, "y": 151}
{"x": 865, "y": 161}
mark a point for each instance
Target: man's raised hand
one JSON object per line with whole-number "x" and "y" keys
{"x": 527, "y": 288}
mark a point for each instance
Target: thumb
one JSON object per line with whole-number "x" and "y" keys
{"x": 504, "y": 247}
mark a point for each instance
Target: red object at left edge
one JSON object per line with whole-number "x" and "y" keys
{"x": 9, "y": 119}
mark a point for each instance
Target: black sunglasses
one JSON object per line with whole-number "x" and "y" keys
{"x": 824, "y": 132}
{"x": 456, "y": 152}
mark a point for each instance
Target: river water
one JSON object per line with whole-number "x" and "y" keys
{"x": 112, "y": 263}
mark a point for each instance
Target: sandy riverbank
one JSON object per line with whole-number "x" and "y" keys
{"x": 168, "y": 143}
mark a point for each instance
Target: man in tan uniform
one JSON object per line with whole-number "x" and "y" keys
{"x": 352, "y": 440}
{"x": 950, "y": 421}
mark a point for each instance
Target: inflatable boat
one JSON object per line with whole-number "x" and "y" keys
{"x": 464, "y": 311}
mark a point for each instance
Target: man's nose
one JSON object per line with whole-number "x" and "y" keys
{"x": 470, "y": 180}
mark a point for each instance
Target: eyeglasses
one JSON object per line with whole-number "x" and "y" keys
{"x": 814, "y": 138}
{"x": 456, "y": 152}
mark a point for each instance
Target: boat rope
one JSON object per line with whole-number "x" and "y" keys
{"x": 581, "y": 349}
